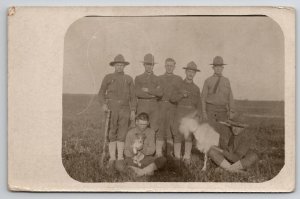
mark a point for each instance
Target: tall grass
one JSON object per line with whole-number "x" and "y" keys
{"x": 83, "y": 140}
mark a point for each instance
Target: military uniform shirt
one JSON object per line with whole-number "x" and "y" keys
{"x": 241, "y": 144}
{"x": 118, "y": 87}
{"x": 151, "y": 82}
{"x": 237, "y": 146}
{"x": 223, "y": 95}
{"x": 167, "y": 83}
{"x": 193, "y": 99}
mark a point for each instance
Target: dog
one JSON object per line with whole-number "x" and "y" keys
{"x": 137, "y": 146}
{"x": 205, "y": 135}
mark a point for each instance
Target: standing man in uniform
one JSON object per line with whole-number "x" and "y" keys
{"x": 117, "y": 94}
{"x": 187, "y": 96}
{"x": 217, "y": 97}
{"x": 148, "y": 91}
{"x": 167, "y": 109}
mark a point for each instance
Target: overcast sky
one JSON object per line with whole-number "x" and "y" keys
{"x": 252, "y": 48}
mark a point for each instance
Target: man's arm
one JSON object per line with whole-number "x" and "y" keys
{"x": 231, "y": 100}
{"x": 233, "y": 157}
{"x": 149, "y": 143}
{"x": 157, "y": 90}
{"x": 139, "y": 92}
{"x": 203, "y": 99}
{"x": 102, "y": 98}
{"x": 239, "y": 151}
{"x": 133, "y": 101}
{"x": 128, "y": 151}
{"x": 199, "y": 102}
{"x": 177, "y": 94}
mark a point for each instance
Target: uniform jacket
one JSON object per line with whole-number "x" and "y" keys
{"x": 193, "y": 99}
{"x": 151, "y": 82}
{"x": 168, "y": 82}
{"x": 223, "y": 95}
{"x": 118, "y": 87}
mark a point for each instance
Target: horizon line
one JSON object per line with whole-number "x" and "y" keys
{"x": 278, "y": 100}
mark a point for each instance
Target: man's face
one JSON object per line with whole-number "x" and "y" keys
{"x": 237, "y": 130}
{"x": 218, "y": 69}
{"x": 170, "y": 66}
{"x": 119, "y": 67}
{"x": 148, "y": 68}
{"x": 190, "y": 74}
{"x": 142, "y": 125}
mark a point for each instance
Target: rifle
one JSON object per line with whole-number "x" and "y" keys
{"x": 105, "y": 123}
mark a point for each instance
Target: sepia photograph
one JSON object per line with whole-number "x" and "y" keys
{"x": 173, "y": 99}
{"x": 151, "y": 99}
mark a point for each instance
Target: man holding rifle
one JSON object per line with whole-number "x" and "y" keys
{"x": 117, "y": 94}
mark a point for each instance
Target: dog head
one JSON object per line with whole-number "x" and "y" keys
{"x": 139, "y": 142}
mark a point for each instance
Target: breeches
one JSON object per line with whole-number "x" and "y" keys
{"x": 119, "y": 122}
{"x": 166, "y": 121}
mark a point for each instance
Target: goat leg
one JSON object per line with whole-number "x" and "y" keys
{"x": 205, "y": 162}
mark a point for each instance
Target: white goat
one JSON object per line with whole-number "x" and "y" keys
{"x": 204, "y": 134}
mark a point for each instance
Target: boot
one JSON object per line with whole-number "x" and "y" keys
{"x": 170, "y": 148}
{"x": 158, "y": 147}
{"x": 237, "y": 166}
{"x": 112, "y": 146}
{"x": 177, "y": 150}
{"x": 120, "y": 147}
{"x": 225, "y": 164}
{"x": 187, "y": 152}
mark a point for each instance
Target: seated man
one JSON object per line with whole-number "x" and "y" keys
{"x": 234, "y": 153}
{"x": 141, "y": 159}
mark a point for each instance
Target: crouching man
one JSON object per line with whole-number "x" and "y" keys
{"x": 234, "y": 153}
{"x": 140, "y": 149}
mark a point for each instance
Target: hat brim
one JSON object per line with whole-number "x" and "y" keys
{"x": 116, "y": 62}
{"x": 197, "y": 70}
{"x": 218, "y": 64}
{"x": 237, "y": 124}
{"x": 149, "y": 63}
{"x": 234, "y": 124}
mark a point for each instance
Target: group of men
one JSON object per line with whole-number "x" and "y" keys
{"x": 159, "y": 103}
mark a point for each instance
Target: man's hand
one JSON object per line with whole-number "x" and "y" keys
{"x": 105, "y": 108}
{"x": 231, "y": 114}
{"x": 185, "y": 94}
{"x": 145, "y": 90}
{"x": 204, "y": 116}
{"x": 218, "y": 149}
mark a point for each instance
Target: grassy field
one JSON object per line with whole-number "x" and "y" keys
{"x": 83, "y": 140}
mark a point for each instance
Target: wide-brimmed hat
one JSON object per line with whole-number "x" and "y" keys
{"x": 149, "y": 59}
{"x": 238, "y": 120}
{"x": 218, "y": 61}
{"x": 191, "y": 66}
{"x": 119, "y": 59}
